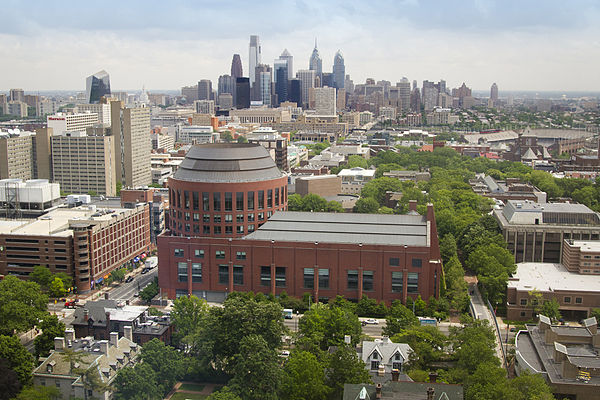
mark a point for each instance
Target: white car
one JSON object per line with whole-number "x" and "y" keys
{"x": 285, "y": 353}
{"x": 371, "y": 321}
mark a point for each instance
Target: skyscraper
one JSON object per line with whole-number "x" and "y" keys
{"x": 236, "y": 67}
{"x": 225, "y": 84}
{"x": 254, "y": 58}
{"x": 280, "y": 74}
{"x": 290, "y": 63}
{"x": 96, "y": 86}
{"x": 242, "y": 90}
{"x": 307, "y": 81}
{"x": 261, "y": 84}
{"x": 494, "y": 92}
{"x": 339, "y": 70}
{"x": 204, "y": 89}
{"x": 295, "y": 93}
{"x": 404, "y": 94}
{"x": 315, "y": 63}
{"x": 325, "y": 101}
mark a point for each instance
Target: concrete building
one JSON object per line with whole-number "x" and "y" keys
{"x": 205, "y": 90}
{"x": 565, "y": 356}
{"x": 190, "y": 93}
{"x": 101, "y": 359}
{"x": 509, "y": 189}
{"x": 195, "y": 134}
{"x": 133, "y": 145}
{"x": 17, "y": 156}
{"x": 16, "y": 95}
{"x": 327, "y": 159}
{"x": 28, "y": 198}
{"x": 162, "y": 141}
{"x": 325, "y": 100}
{"x": 321, "y": 185}
{"x": 84, "y": 164}
{"x": 581, "y": 256}
{"x": 535, "y": 232}
{"x": 354, "y": 179}
{"x": 17, "y": 108}
{"x": 76, "y": 122}
{"x": 387, "y": 113}
{"x": 415, "y": 176}
{"x": 307, "y": 81}
{"x": 85, "y": 242}
{"x": 205, "y": 107}
{"x": 275, "y": 144}
{"x": 351, "y": 150}
{"x": 262, "y": 115}
{"x": 102, "y": 109}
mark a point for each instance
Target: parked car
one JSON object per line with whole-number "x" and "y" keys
{"x": 145, "y": 271}
{"x": 370, "y": 321}
{"x": 129, "y": 279}
{"x": 71, "y": 303}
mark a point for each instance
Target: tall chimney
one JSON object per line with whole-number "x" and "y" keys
{"x": 59, "y": 343}
{"x": 103, "y": 346}
{"x": 114, "y": 339}
{"x": 69, "y": 334}
{"x": 412, "y": 205}
{"x": 430, "y": 393}
{"x": 395, "y": 375}
{"x": 127, "y": 332}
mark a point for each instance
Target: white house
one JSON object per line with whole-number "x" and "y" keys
{"x": 384, "y": 352}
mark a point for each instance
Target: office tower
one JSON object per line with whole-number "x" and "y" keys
{"x": 16, "y": 95}
{"x": 290, "y": 63}
{"x": 339, "y": 70}
{"x": 225, "y": 84}
{"x": 262, "y": 84}
{"x": 404, "y": 94}
{"x": 442, "y": 86}
{"x": 494, "y": 92}
{"x": 84, "y": 164}
{"x": 316, "y": 63}
{"x": 17, "y": 108}
{"x": 280, "y": 73}
{"x": 429, "y": 95}
{"x": 205, "y": 107}
{"x": 414, "y": 85}
{"x": 349, "y": 84}
{"x": 307, "y": 81}
{"x": 133, "y": 144}
{"x": 97, "y": 86}
{"x": 242, "y": 93}
{"x": 341, "y": 99}
{"x": 295, "y": 94}
{"x": 325, "y": 101}
{"x": 326, "y": 80}
{"x": 236, "y": 67}
{"x": 43, "y": 155}
{"x": 204, "y": 89}
{"x": 225, "y": 101}
{"x": 102, "y": 109}
{"x": 190, "y": 93}
{"x": 415, "y": 100}
{"x": 254, "y": 58}
{"x": 17, "y": 158}
{"x": 76, "y": 122}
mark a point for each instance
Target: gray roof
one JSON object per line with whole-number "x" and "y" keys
{"x": 405, "y": 391}
{"x": 386, "y": 350}
{"x": 227, "y": 162}
{"x": 398, "y": 230}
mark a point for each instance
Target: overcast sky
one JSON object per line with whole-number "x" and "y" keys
{"x": 521, "y": 45}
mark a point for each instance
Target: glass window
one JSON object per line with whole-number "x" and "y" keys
{"x": 220, "y": 254}
{"x": 228, "y": 201}
{"x": 186, "y": 197}
{"x": 228, "y": 218}
{"x": 182, "y": 272}
{"x": 352, "y": 279}
{"x": 239, "y": 218}
{"x": 412, "y": 282}
{"x": 217, "y": 230}
{"x": 367, "y": 280}
{"x": 187, "y": 227}
{"x": 567, "y": 299}
{"x": 217, "y": 218}
{"x": 240, "y": 255}
{"x": 195, "y": 200}
{"x": 523, "y": 302}
{"x": 578, "y": 300}
{"x": 261, "y": 199}
{"x": 238, "y": 275}
{"x": 394, "y": 262}
{"x": 265, "y": 276}
{"x": 397, "y": 281}
{"x": 250, "y": 228}
{"x": 250, "y": 200}
{"x": 240, "y": 229}
{"x": 178, "y": 198}
{"x": 196, "y": 217}
{"x": 417, "y": 262}
{"x": 178, "y": 253}
{"x": 324, "y": 278}
{"x": 270, "y": 198}
{"x": 186, "y": 216}
{"x": 269, "y": 214}
{"x": 217, "y": 201}
{"x": 196, "y": 229}
{"x": 374, "y": 365}
{"x": 261, "y": 216}
{"x": 206, "y": 218}
{"x": 276, "y": 197}
{"x": 205, "y": 202}
{"x": 250, "y": 217}
{"x": 199, "y": 253}
{"x": 206, "y": 229}
{"x": 239, "y": 201}
{"x": 223, "y": 274}
{"x": 196, "y": 272}
{"x": 280, "y": 276}
{"x": 309, "y": 278}
{"x": 229, "y": 230}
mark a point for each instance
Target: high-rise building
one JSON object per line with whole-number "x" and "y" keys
{"x": 102, "y": 109}
{"x": 254, "y": 58}
{"x": 133, "y": 144}
{"x": 290, "y": 63}
{"x": 404, "y": 94}
{"x": 295, "y": 93}
{"x": 97, "y": 86}
{"x": 325, "y": 101}
{"x": 225, "y": 84}
{"x": 17, "y": 108}
{"x": 326, "y": 80}
{"x": 236, "y": 67}
{"x": 17, "y": 158}
{"x": 316, "y": 63}
{"x": 190, "y": 93}
{"x": 225, "y": 101}
{"x": 494, "y": 92}
{"x": 16, "y": 95}
{"x": 261, "y": 91}
{"x": 242, "y": 93}
{"x": 205, "y": 106}
{"x": 280, "y": 74}
{"x": 339, "y": 71}
{"x": 76, "y": 122}
{"x": 204, "y": 89}
{"x": 430, "y": 95}
{"x": 307, "y": 81}
{"x": 349, "y": 84}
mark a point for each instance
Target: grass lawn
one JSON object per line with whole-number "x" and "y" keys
{"x": 190, "y": 396}
{"x": 192, "y": 387}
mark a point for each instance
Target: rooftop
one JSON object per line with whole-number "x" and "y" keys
{"x": 548, "y": 277}
{"x": 586, "y": 245}
{"x": 398, "y": 230}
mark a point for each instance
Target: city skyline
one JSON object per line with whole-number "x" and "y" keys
{"x": 536, "y": 46}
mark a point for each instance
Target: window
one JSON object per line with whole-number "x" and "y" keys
{"x": 567, "y": 300}
{"x": 182, "y": 272}
{"x": 228, "y": 201}
{"x": 374, "y": 365}
{"x": 309, "y": 278}
{"x": 217, "y": 201}
{"x": 239, "y": 201}
{"x": 205, "y": 202}
{"x": 276, "y": 197}
{"x": 412, "y": 282}
{"x": 394, "y": 262}
{"x": 238, "y": 275}
{"x": 239, "y": 218}
{"x": 217, "y": 218}
{"x": 199, "y": 253}
{"x": 250, "y": 217}
{"x": 179, "y": 252}
{"x": 270, "y": 198}
{"x": 265, "y": 276}
{"x": 269, "y": 214}
{"x": 229, "y": 230}
{"x": 523, "y": 302}
{"x": 397, "y": 365}
{"x": 397, "y": 281}
{"x": 195, "y": 200}
{"x": 280, "y": 276}
{"x": 417, "y": 262}
{"x": 261, "y": 216}
{"x": 223, "y": 274}
{"x": 250, "y": 200}
{"x": 240, "y": 255}
{"x": 324, "y": 278}
{"x": 196, "y": 217}
{"x": 196, "y": 272}
{"x": 578, "y": 300}
{"x": 228, "y": 218}
{"x": 186, "y": 196}
{"x": 220, "y": 254}
{"x": 367, "y": 280}
{"x": 240, "y": 229}
{"x": 250, "y": 228}
{"x": 186, "y": 216}
{"x": 206, "y": 229}
{"x": 352, "y": 279}
{"x": 261, "y": 199}
{"x": 206, "y": 218}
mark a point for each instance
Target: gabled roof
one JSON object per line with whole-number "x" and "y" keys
{"x": 386, "y": 349}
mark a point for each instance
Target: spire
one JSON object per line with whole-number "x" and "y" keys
{"x": 315, "y": 43}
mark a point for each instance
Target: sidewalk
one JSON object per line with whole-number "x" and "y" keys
{"x": 482, "y": 312}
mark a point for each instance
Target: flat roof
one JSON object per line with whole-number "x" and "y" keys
{"x": 377, "y": 229}
{"x": 586, "y": 245}
{"x": 549, "y": 277}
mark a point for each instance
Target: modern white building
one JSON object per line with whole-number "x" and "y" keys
{"x": 196, "y": 134}
{"x": 387, "y": 113}
{"x": 76, "y": 122}
{"x": 354, "y": 179}
{"x": 33, "y": 194}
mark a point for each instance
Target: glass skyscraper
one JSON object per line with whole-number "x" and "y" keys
{"x": 339, "y": 70}
{"x": 96, "y": 86}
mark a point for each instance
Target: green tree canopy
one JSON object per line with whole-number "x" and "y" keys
{"x": 51, "y": 327}
{"x": 344, "y": 366}
{"x": 57, "y": 288}
{"x": 327, "y": 325}
{"x": 9, "y": 381}
{"x": 41, "y": 275}
{"x": 18, "y": 358}
{"x": 165, "y": 361}
{"x": 303, "y": 378}
{"x": 22, "y": 304}
{"x": 187, "y": 315}
{"x": 378, "y": 186}
{"x": 366, "y": 205}
{"x": 399, "y": 318}
{"x": 137, "y": 383}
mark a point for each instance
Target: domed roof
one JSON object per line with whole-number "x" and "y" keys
{"x": 227, "y": 162}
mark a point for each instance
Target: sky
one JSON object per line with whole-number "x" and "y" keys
{"x": 534, "y": 45}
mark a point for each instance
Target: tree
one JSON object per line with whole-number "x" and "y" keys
{"x": 378, "y": 186}
{"x": 447, "y": 247}
{"x": 366, "y": 205}
{"x": 295, "y": 202}
{"x": 398, "y": 319}
{"x": 165, "y": 361}
{"x": 304, "y": 378}
{"x": 357, "y": 161}
{"x": 242, "y": 139}
{"x": 136, "y": 383}
{"x": 51, "y": 327}
{"x": 150, "y": 291}
{"x": 226, "y": 137}
{"x": 18, "y": 358}
{"x": 187, "y": 314}
{"x": 327, "y": 325}
{"x": 473, "y": 344}
{"x": 531, "y": 386}
{"x": 225, "y": 393}
{"x": 65, "y": 278}
{"x": 256, "y": 373}
{"x": 118, "y": 275}
{"x": 57, "y": 288}
{"x": 427, "y": 343}
{"x": 39, "y": 393}
{"x": 488, "y": 382}
{"x": 550, "y": 309}
{"x": 9, "y": 381}
{"x": 22, "y": 304}
{"x": 314, "y": 202}
{"x": 343, "y": 367}
{"x": 334, "y": 206}
{"x": 41, "y": 275}
{"x": 595, "y": 313}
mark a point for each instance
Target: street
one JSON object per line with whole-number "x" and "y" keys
{"x": 126, "y": 291}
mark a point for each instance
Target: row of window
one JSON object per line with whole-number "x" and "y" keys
{"x": 308, "y": 277}
{"x": 225, "y": 201}
{"x": 566, "y": 300}
{"x": 218, "y": 218}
